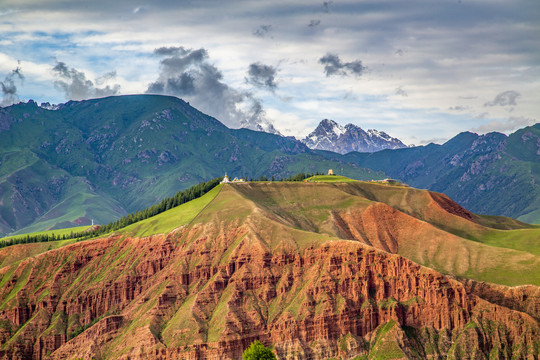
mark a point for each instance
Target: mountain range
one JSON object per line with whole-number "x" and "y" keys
{"x": 331, "y": 136}
{"x": 489, "y": 174}
{"x": 330, "y": 268}
{"x": 99, "y": 159}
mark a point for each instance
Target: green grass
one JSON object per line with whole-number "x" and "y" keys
{"x": 532, "y": 218}
{"x": 79, "y": 203}
{"x": 58, "y": 232}
{"x": 329, "y": 178}
{"x": 384, "y": 346}
{"x": 19, "y": 285}
{"x": 527, "y": 240}
{"x": 216, "y": 324}
{"x": 171, "y": 219}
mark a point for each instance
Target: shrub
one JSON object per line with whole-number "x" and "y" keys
{"x": 257, "y": 351}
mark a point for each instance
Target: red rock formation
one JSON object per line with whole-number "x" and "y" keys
{"x": 319, "y": 295}
{"x": 210, "y": 289}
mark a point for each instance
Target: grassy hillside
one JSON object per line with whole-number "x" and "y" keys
{"x": 329, "y": 178}
{"x": 35, "y": 195}
{"x": 425, "y": 227}
{"x": 171, "y": 219}
{"x": 103, "y": 158}
{"x": 406, "y": 221}
{"x": 278, "y": 259}
{"x": 57, "y": 232}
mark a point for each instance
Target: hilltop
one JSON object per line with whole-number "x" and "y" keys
{"x": 103, "y": 158}
{"x": 315, "y": 269}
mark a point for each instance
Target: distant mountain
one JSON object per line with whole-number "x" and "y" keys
{"x": 488, "y": 174}
{"x": 67, "y": 164}
{"x": 331, "y": 136}
{"x": 98, "y": 159}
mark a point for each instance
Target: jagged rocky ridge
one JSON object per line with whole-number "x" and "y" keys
{"x": 331, "y": 136}
{"x": 240, "y": 271}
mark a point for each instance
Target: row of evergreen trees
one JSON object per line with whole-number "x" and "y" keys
{"x": 180, "y": 198}
{"x": 37, "y": 238}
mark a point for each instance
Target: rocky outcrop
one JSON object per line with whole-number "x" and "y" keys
{"x": 208, "y": 289}
{"x": 331, "y": 136}
{"x": 185, "y": 296}
{"x": 521, "y": 298}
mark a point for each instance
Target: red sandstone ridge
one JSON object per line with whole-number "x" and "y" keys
{"x": 208, "y": 290}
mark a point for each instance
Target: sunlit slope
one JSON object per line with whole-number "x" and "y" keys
{"x": 271, "y": 260}
{"x": 425, "y": 227}
{"x": 171, "y": 219}
{"x": 163, "y": 223}
{"x": 57, "y": 233}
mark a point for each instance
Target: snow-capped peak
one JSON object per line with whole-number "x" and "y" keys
{"x": 379, "y": 134}
{"x": 330, "y": 126}
{"x": 331, "y": 136}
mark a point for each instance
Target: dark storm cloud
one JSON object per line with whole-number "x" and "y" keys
{"x": 106, "y": 77}
{"x": 327, "y": 6}
{"x": 187, "y": 73}
{"x": 76, "y": 86}
{"x": 9, "y": 89}
{"x": 334, "y": 66}
{"x": 263, "y": 76}
{"x": 314, "y": 23}
{"x": 262, "y": 31}
{"x": 506, "y": 98}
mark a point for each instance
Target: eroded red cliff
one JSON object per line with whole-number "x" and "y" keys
{"x": 209, "y": 289}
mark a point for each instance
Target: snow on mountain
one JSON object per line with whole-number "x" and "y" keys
{"x": 331, "y": 136}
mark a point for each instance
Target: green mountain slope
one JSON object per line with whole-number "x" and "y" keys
{"x": 121, "y": 154}
{"x": 99, "y": 159}
{"x": 489, "y": 174}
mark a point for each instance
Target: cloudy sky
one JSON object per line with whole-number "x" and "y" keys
{"x": 421, "y": 70}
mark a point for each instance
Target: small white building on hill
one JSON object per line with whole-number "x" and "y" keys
{"x": 226, "y": 180}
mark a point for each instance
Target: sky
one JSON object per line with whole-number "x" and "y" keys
{"x": 420, "y": 70}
